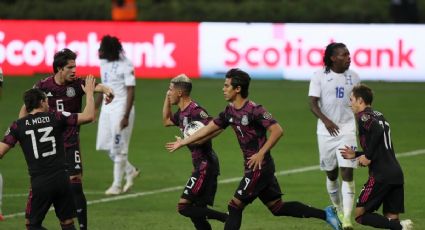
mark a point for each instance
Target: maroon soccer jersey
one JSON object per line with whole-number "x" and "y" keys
{"x": 375, "y": 139}
{"x": 194, "y": 112}
{"x": 67, "y": 98}
{"x": 41, "y": 140}
{"x": 250, "y": 124}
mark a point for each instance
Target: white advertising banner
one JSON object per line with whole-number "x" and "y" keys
{"x": 294, "y": 51}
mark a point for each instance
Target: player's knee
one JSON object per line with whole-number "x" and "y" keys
{"x": 359, "y": 219}
{"x": 182, "y": 208}
{"x": 234, "y": 206}
{"x": 276, "y": 208}
{"x": 67, "y": 224}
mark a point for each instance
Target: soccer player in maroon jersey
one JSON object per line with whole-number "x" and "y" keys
{"x": 251, "y": 122}
{"x": 64, "y": 93}
{"x": 386, "y": 183}
{"x": 40, "y": 134}
{"x": 201, "y": 187}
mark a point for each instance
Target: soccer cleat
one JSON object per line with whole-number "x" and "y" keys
{"x": 130, "y": 180}
{"x": 346, "y": 224}
{"x": 113, "y": 190}
{"x": 406, "y": 224}
{"x": 332, "y": 218}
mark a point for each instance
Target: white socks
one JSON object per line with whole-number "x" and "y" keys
{"x": 347, "y": 190}
{"x": 119, "y": 167}
{"x": 346, "y": 195}
{"x": 334, "y": 194}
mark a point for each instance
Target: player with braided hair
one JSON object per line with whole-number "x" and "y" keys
{"x": 329, "y": 95}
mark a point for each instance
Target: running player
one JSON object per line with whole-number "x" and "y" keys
{"x": 202, "y": 185}
{"x": 251, "y": 122}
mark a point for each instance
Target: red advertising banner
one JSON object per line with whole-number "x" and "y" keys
{"x": 157, "y": 49}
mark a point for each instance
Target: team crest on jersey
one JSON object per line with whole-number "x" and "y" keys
{"x": 244, "y": 120}
{"x": 185, "y": 121}
{"x": 267, "y": 115}
{"x": 365, "y": 117}
{"x": 70, "y": 92}
{"x": 203, "y": 114}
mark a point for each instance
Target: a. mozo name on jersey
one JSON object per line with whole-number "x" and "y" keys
{"x": 38, "y": 120}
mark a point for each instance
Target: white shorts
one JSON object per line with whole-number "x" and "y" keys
{"x": 330, "y": 156}
{"x": 109, "y": 135}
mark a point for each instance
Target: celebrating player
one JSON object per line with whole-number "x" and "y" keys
{"x": 250, "y": 123}
{"x": 202, "y": 185}
{"x": 64, "y": 94}
{"x": 386, "y": 183}
{"x": 40, "y": 134}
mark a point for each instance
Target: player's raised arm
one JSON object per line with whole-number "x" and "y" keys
{"x": 203, "y": 132}
{"x": 166, "y": 111}
{"x": 88, "y": 114}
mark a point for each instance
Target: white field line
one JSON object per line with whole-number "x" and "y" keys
{"x": 177, "y": 188}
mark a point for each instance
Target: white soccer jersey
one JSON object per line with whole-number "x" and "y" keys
{"x": 333, "y": 90}
{"x": 117, "y": 75}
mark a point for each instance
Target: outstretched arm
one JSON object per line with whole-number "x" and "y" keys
{"x": 332, "y": 128}
{"x": 203, "y": 132}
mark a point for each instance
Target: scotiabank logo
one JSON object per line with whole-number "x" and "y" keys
{"x": 155, "y": 54}
{"x": 296, "y": 54}
{"x": 156, "y": 49}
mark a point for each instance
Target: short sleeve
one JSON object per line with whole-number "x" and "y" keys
{"x": 314, "y": 88}
{"x": 11, "y": 135}
{"x": 200, "y": 114}
{"x": 129, "y": 77}
{"x": 263, "y": 117}
{"x": 221, "y": 120}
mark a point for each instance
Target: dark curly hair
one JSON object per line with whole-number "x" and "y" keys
{"x": 330, "y": 50}
{"x": 110, "y": 48}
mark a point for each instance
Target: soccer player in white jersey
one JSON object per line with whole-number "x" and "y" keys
{"x": 329, "y": 94}
{"x": 117, "y": 118}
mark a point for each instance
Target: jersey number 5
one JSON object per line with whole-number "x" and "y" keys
{"x": 45, "y": 138}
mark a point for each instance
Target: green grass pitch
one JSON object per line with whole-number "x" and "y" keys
{"x": 152, "y": 202}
